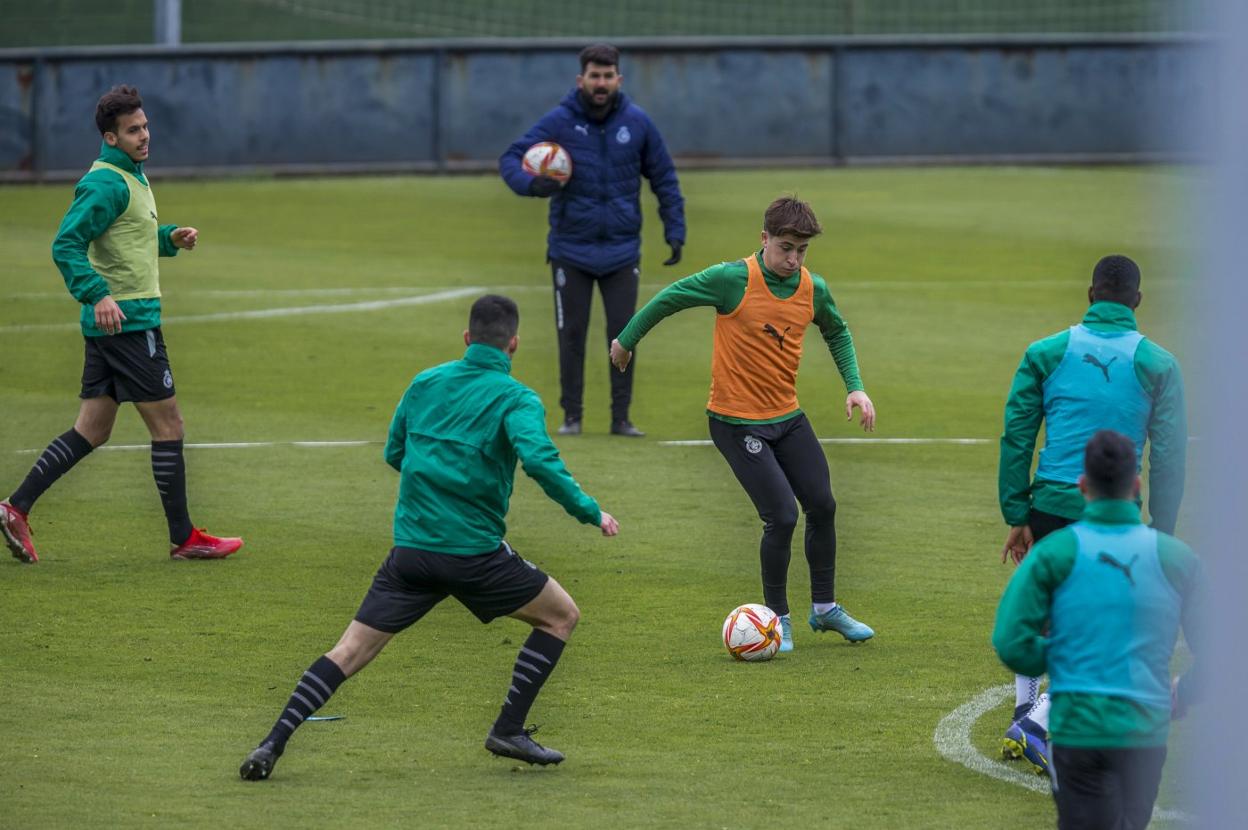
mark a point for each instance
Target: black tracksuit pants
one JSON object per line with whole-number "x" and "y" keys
{"x": 1106, "y": 789}
{"x": 574, "y": 294}
{"x": 778, "y": 464}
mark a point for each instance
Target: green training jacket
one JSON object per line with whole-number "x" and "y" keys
{"x": 723, "y": 286}
{"x": 1021, "y": 641}
{"x": 1159, "y": 375}
{"x": 455, "y": 438}
{"x": 100, "y": 197}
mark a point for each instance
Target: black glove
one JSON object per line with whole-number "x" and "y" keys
{"x": 675, "y": 257}
{"x": 544, "y": 186}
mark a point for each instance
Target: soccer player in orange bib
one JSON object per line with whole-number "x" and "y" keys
{"x": 765, "y": 304}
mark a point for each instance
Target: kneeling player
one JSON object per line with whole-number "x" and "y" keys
{"x": 455, "y": 439}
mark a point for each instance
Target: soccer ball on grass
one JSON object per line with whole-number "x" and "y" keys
{"x": 752, "y": 633}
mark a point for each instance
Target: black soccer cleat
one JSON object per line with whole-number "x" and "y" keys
{"x": 522, "y": 747}
{"x": 259, "y": 764}
{"x": 625, "y": 427}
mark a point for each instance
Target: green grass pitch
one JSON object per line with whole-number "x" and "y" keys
{"x": 134, "y": 686}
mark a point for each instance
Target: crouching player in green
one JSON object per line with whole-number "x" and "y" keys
{"x": 765, "y": 303}
{"x": 455, "y": 440}
{"x": 1113, "y": 594}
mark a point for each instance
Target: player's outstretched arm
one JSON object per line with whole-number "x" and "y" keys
{"x": 859, "y": 400}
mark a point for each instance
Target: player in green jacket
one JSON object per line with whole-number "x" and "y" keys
{"x": 1098, "y": 605}
{"x": 455, "y": 440}
{"x": 107, "y": 249}
{"x": 1099, "y": 374}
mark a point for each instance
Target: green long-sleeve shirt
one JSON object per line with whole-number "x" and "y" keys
{"x": 455, "y": 438}
{"x": 1021, "y": 640}
{"x": 1159, "y": 375}
{"x": 723, "y": 286}
{"x": 99, "y": 198}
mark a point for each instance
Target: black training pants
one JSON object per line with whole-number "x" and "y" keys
{"x": 1042, "y": 524}
{"x": 574, "y": 294}
{"x": 777, "y": 463}
{"x": 1106, "y": 789}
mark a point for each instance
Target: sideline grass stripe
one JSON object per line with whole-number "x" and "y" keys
{"x": 268, "y": 313}
{"x": 706, "y": 442}
{"x": 953, "y": 741}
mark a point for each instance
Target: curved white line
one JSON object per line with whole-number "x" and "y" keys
{"x": 953, "y": 741}
{"x": 267, "y": 313}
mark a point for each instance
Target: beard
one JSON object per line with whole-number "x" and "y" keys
{"x": 596, "y": 110}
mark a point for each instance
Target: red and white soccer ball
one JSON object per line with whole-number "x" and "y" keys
{"x": 546, "y": 158}
{"x": 752, "y": 633}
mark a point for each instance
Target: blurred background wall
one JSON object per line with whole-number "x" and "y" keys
{"x": 285, "y": 85}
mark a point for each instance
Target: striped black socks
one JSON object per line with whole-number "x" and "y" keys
{"x": 320, "y": 681}
{"x": 534, "y": 663}
{"x": 64, "y": 452}
{"x": 169, "y": 470}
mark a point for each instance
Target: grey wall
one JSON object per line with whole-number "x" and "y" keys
{"x": 383, "y": 105}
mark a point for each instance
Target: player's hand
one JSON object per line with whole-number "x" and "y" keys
{"x": 544, "y": 186}
{"x": 675, "y": 257}
{"x": 1017, "y": 544}
{"x": 108, "y": 316}
{"x": 620, "y": 356}
{"x": 609, "y": 525}
{"x": 860, "y": 400}
{"x": 1177, "y": 708}
{"x": 186, "y": 238}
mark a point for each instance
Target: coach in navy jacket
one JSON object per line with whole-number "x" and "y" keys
{"x": 595, "y": 219}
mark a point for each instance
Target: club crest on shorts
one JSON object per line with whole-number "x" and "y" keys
{"x": 168, "y": 379}
{"x": 752, "y": 445}
{"x": 561, "y": 279}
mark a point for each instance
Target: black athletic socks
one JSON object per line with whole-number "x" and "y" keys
{"x": 534, "y": 663}
{"x": 169, "y": 470}
{"x": 64, "y": 452}
{"x": 320, "y": 681}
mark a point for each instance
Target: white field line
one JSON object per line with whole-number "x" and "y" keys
{"x": 706, "y": 442}
{"x": 268, "y": 313}
{"x": 238, "y": 445}
{"x": 347, "y": 291}
{"x": 953, "y": 741}
{"x": 231, "y": 445}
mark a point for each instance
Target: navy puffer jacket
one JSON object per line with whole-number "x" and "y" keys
{"x": 595, "y": 220}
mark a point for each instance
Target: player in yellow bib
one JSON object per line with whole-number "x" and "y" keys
{"x": 765, "y": 303}
{"x": 108, "y": 249}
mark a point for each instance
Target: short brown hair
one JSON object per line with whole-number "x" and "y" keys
{"x": 791, "y": 215}
{"x": 603, "y": 54}
{"x": 120, "y": 100}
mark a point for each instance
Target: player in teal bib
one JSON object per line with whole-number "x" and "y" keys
{"x": 1099, "y": 605}
{"x": 108, "y": 249}
{"x": 1099, "y": 374}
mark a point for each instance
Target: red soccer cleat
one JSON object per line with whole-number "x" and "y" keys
{"x": 16, "y": 532}
{"x": 200, "y": 545}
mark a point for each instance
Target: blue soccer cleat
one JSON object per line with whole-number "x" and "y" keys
{"x": 837, "y": 620}
{"x": 1024, "y": 739}
{"x": 786, "y": 633}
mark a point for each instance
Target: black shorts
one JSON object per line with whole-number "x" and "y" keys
{"x": 410, "y": 582}
{"x": 132, "y": 366}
